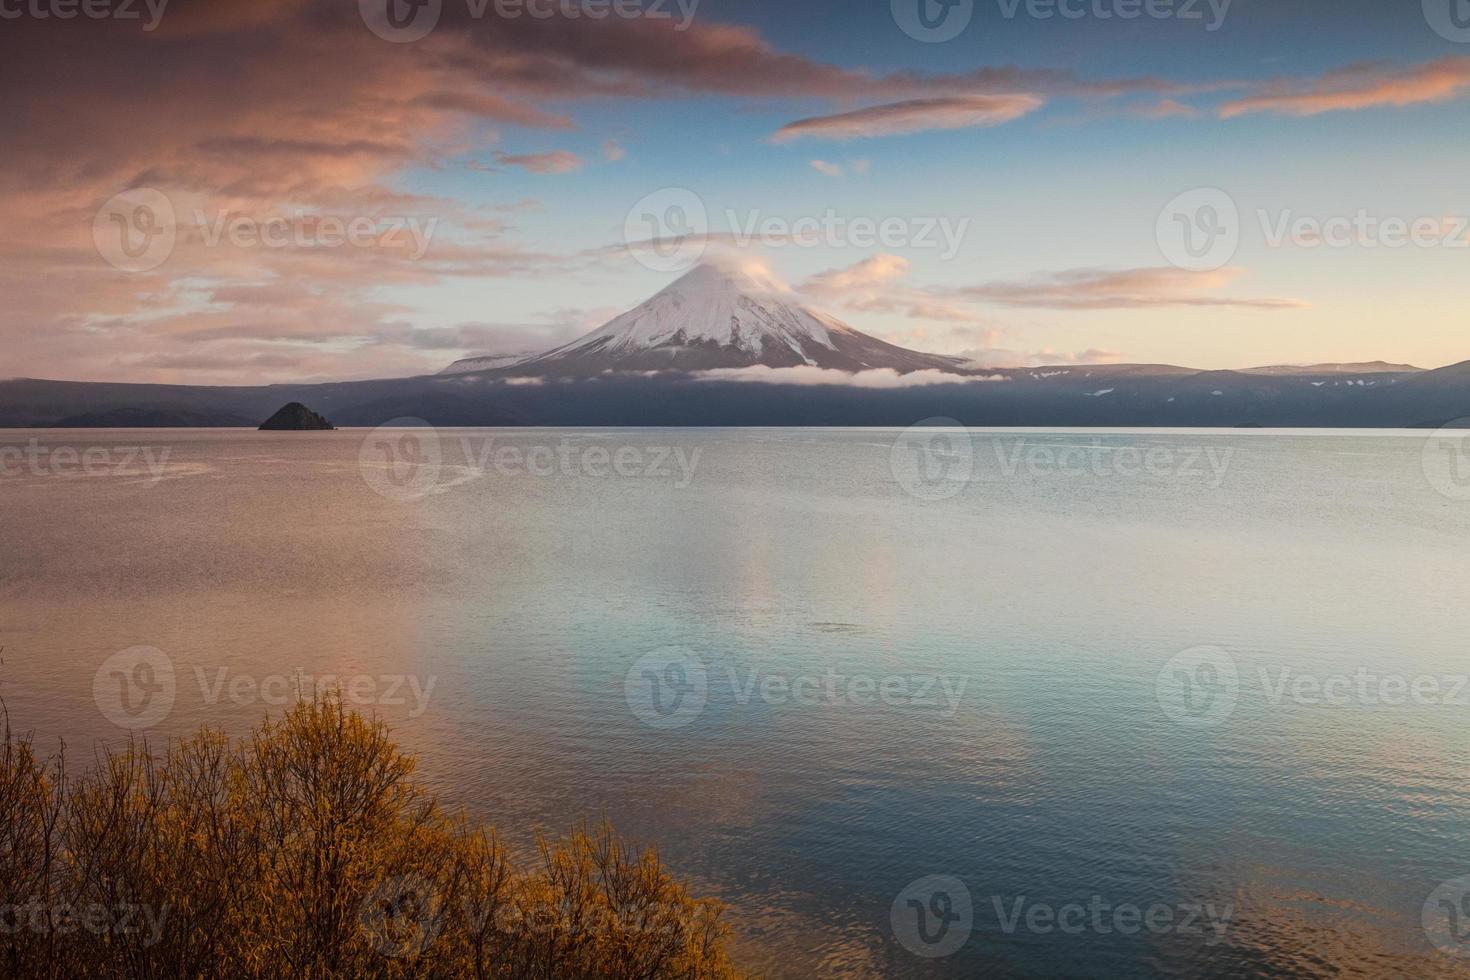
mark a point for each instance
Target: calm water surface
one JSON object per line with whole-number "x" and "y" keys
{"x": 1039, "y": 740}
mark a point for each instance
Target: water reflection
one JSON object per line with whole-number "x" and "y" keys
{"x": 521, "y": 603}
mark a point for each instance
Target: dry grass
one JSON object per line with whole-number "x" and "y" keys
{"x": 307, "y": 851}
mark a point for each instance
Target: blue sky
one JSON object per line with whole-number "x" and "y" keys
{"x": 1052, "y": 144}
{"x": 1079, "y": 184}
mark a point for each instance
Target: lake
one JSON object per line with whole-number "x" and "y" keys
{"x": 916, "y": 704}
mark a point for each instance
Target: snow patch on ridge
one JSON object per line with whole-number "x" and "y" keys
{"x": 485, "y": 362}
{"x": 875, "y": 378}
{"x": 741, "y": 308}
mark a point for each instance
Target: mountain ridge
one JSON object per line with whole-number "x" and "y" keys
{"x": 719, "y": 316}
{"x": 1067, "y": 395}
{"x": 724, "y": 314}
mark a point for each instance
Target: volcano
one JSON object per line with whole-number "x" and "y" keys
{"x": 718, "y": 316}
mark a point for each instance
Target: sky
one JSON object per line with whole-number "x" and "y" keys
{"x": 280, "y": 190}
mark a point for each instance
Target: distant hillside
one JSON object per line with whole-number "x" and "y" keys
{"x": 1108, "y": 395}
{"x": 1367, "y": 367}
{"x": 153, "y": 417}
{"x": 485, "y": 362}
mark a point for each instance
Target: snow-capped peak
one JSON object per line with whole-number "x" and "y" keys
{"x": 723, "y": 304}
{"x": 722, "y": 274}
{"x": 728, "y": 313}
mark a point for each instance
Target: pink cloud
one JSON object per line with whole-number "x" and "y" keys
{"x": 876, "y": 285}
{"x": 912, "y": 116}
{"x": 1102, "y": 289}
{"x": 1046, "y": 357}
{"x": 873, "y": 271}
{"x": 1168, "y": 109}
{"x": 1364, "y": 86}
{"x": 555, "y": 162}
{"x": 283, "y": 105}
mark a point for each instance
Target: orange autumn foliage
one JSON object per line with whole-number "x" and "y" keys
{"x": 307, "y": 851}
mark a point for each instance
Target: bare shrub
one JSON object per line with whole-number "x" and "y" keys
{"x": 307, "y": 851}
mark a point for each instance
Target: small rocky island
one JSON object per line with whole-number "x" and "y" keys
{"x": 295, "y": 417}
